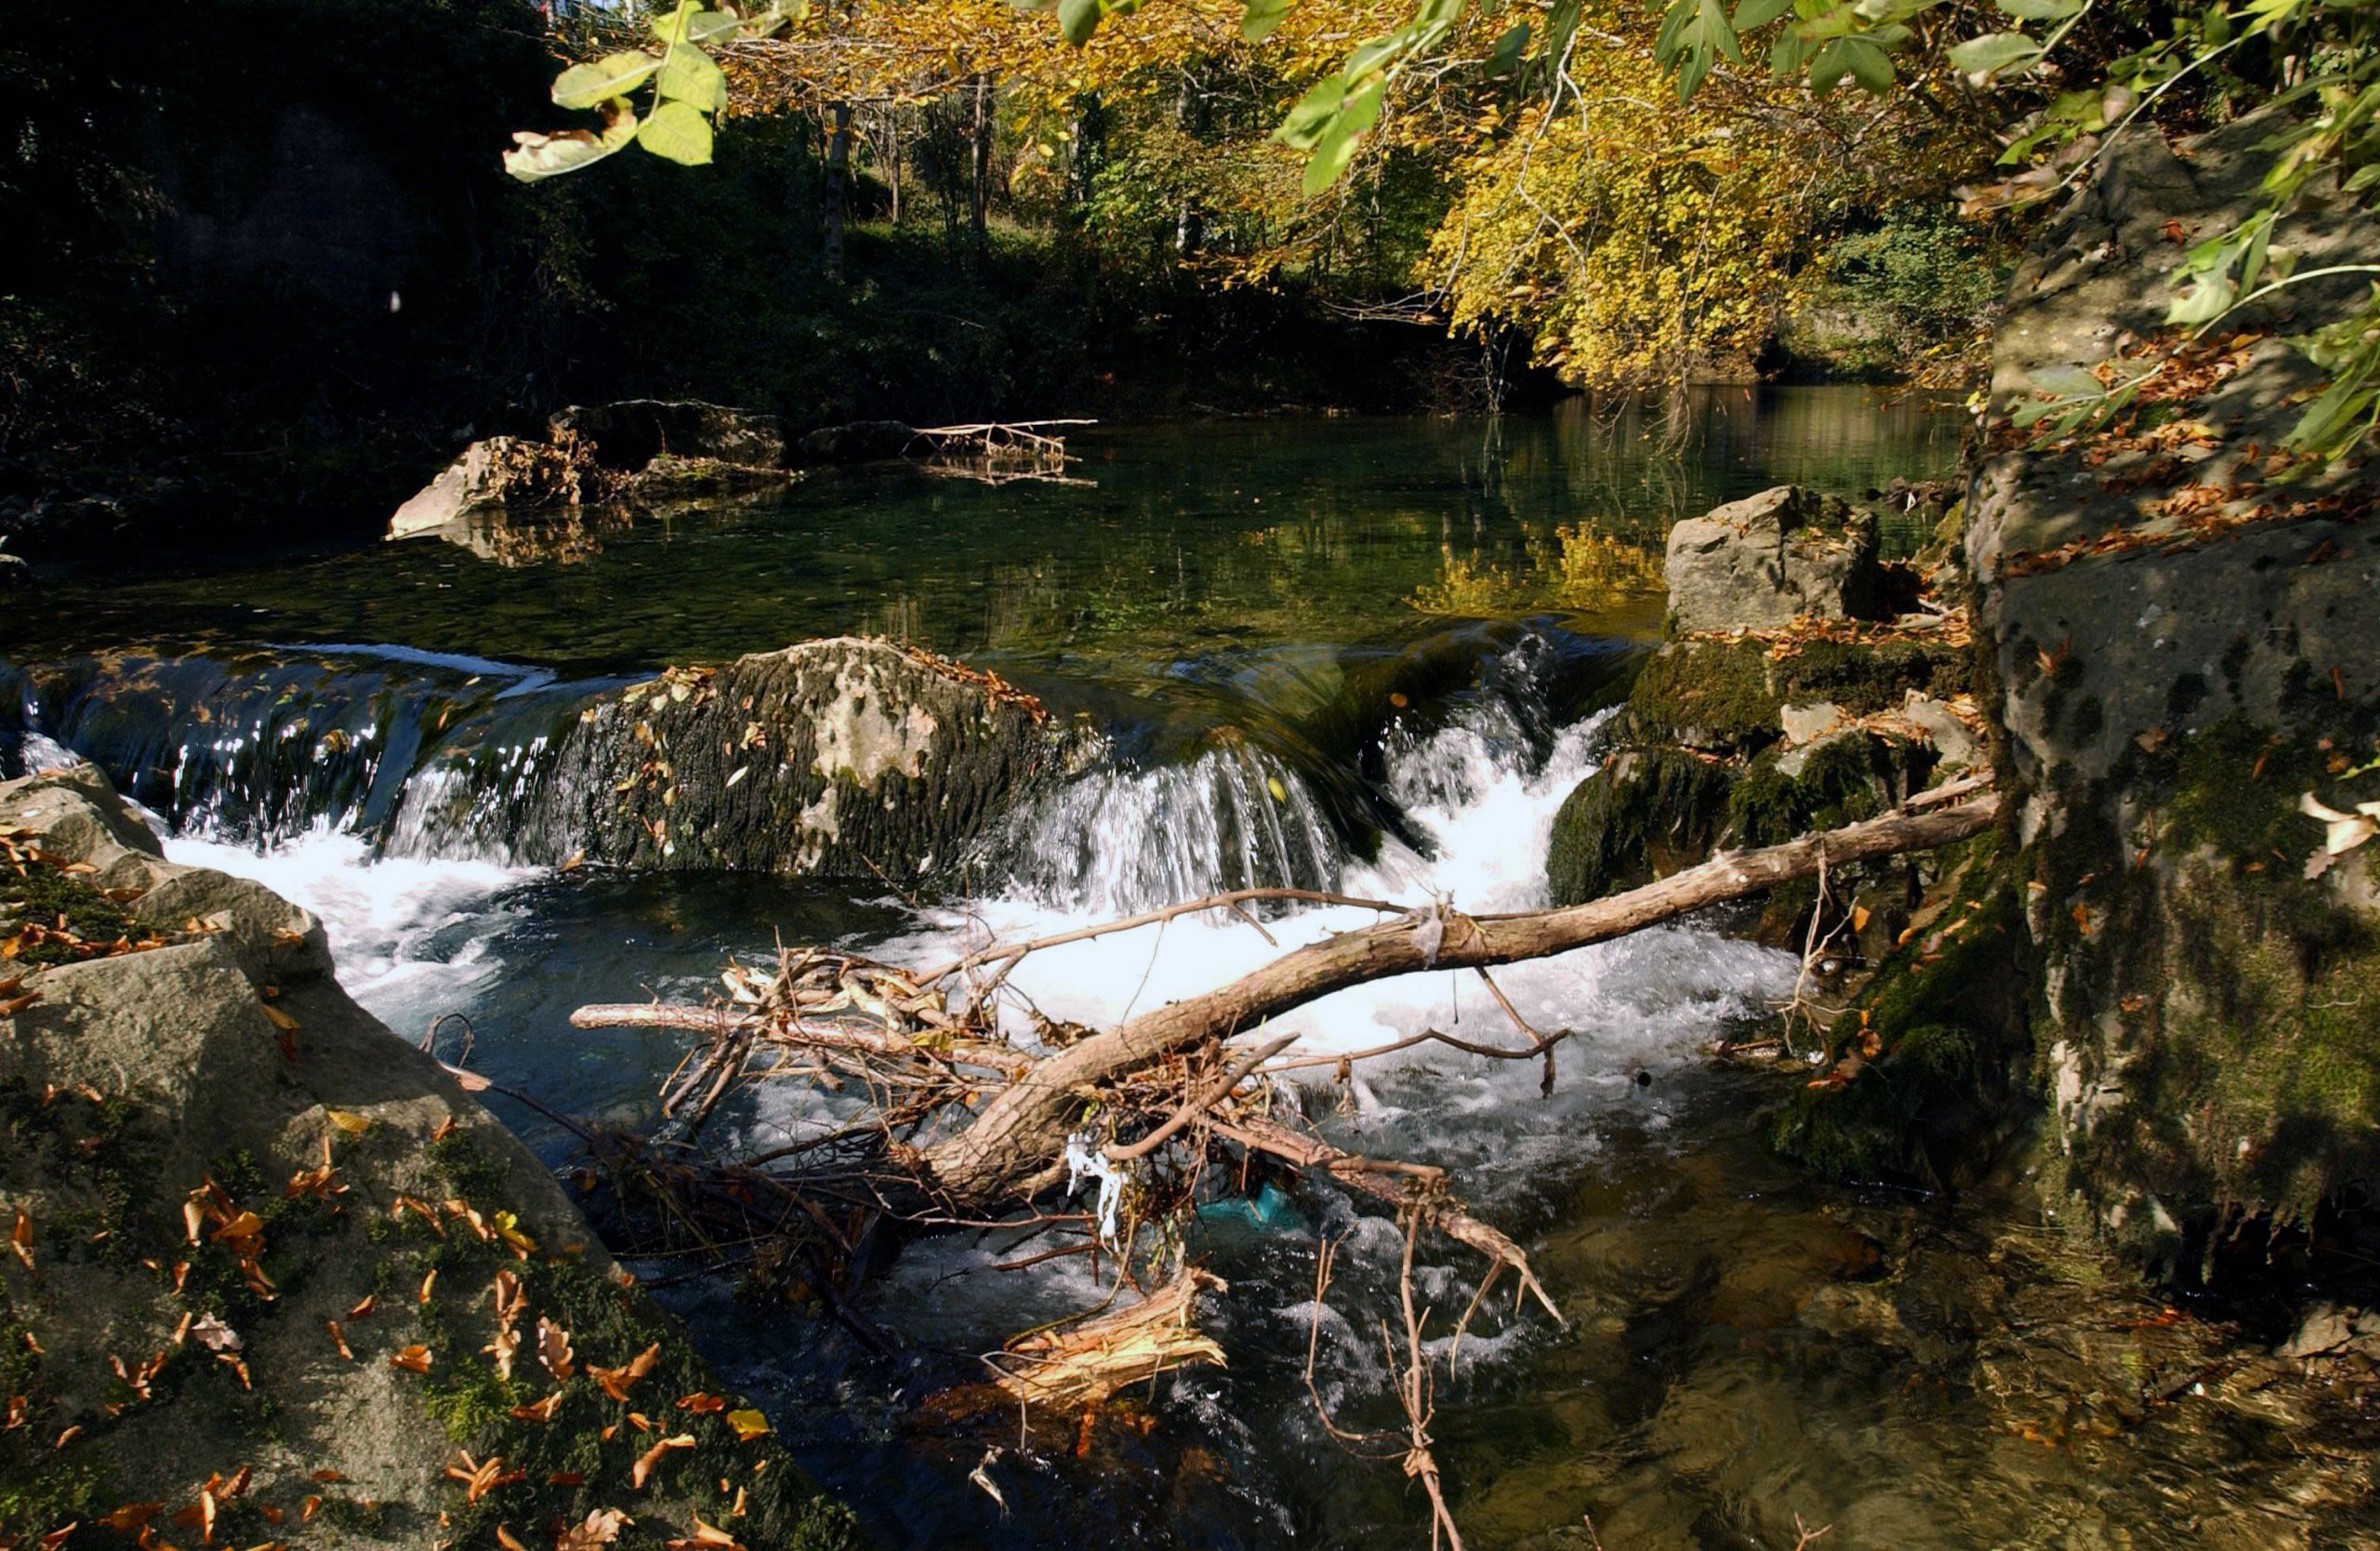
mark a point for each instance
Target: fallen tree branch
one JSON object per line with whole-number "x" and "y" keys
{"x": 1025, "y": 1126}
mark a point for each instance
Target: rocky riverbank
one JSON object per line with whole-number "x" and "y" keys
{"x": 2155, "y": 632}
{"x": 279, "y": 1278}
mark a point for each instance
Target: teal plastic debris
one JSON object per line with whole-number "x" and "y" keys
{"x": 1271, "y": 1211}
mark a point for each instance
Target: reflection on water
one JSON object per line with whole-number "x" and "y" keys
{"x": 1187, "y": 538}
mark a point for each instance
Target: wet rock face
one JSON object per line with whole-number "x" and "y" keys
{"x": 1762, "y": 561}
{"x": 2170, "y": 686}
{"x": 844, "y": 758}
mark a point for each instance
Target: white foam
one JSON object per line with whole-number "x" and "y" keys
{"x": 1486, "y": 810}
{"x": 412, "y": 937}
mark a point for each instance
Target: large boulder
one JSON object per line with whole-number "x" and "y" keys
{"x": 2179, "y": 658}
{"x": 1762, "y": 561}
{"x": 258, "y": 1236}
{"x": 504, "y": 473}
{"x": 847, "y": 757}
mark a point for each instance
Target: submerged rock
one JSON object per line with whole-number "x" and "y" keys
{"x": 504, "y": 473}
{"x": 258, "y": 1233}
{"x": 629, "y": 435}
{"x": 635, "y": 453}
{"x": 1765, "y": 561}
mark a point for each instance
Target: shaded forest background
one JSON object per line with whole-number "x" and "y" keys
{"x": 264, "y": 273}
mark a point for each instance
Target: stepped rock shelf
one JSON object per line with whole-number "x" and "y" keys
{"x": 279, "y": 1278}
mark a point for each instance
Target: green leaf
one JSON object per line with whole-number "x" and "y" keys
{"x": 1760, "y": 13}
{"x": 1832, "y": 63}
{"x": 1313, "y": 114}
{"x": 1505, "y": 57}
{"x": 1371, "y": 55}
{"x": 2066, "y": 382}
{"x": 693, "y": 77}
{"x": 586, "y": 85}
{"x": 2040, "y": 10}
{"x": 1077, "y": 19}
{"x": 534, "y": 157}
{"x": 1993, "y": 52}
{"x": 1256, "y": 23}
{"x": 1560, "y": 27}
{"x": 1343, "y": 139}
{"x": 687, "y": 25}
{"x": 1871, "y": 66}
{"x": 677, "y": 133}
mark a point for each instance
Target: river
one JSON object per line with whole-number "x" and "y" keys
{"x": 1367, "y": 655}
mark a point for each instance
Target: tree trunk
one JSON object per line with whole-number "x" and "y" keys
{"x": 834, "y": 192}
{"x": 980, "y": 159}
{"x": 1023, "y": 1129}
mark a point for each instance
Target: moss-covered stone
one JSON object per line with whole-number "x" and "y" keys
{"x": 1946, "y": 1018}
{"x": 1705, "y": 694}
{"x": 1866, "y": 677}
{"x": 1643, "y": 815}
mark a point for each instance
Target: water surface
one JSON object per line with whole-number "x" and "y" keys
{"x": 1744, "y": 1347}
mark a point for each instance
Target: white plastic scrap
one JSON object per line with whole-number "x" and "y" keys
{"x": 1083, "y": 1159}
{"x": 1429, "y": 929}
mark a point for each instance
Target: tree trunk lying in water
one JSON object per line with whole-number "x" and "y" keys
{"x": 931, "y": 1048}
{"x": 1023, "y": 1131}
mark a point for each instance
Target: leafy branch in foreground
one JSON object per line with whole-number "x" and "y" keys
{"x": 686, "y": 87}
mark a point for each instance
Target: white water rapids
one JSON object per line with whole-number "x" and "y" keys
{"x": 416, "y": 936}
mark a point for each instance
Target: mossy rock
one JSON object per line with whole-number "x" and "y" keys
{"x": 1865, "y": 678}
{"x": 1646, "y": 814}
{"x": 1712, "y": 694}
{"x": 1947, "y": 1014}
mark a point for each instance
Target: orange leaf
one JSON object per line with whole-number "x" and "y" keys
{"x": 412, "y": 1360}
{"x": 541, "y": 1411}
{"x": 652, "y": 1457}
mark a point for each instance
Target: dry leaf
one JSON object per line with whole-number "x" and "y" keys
{"x": 652, "y": 1457}
{"x": 701, "y": 1405}
{"x": 541, "y": 1411}
{"x": 339, "y": 1337}
{"x": 504, "y": 1348}
{"x": 748, "y": 1425}
{"x": 554, "y": 1349}
{"x": 214, "y": 1335}
{"x": 601, "y": 1528}
{"x": 282, "y": 1020}
{"x": 616, "y": 1381}
{"x": 412, "y": 1360}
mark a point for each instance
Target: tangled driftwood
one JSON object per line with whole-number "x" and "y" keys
{"x": 947, "y": 1119}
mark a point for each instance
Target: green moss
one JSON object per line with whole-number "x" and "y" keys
{"x": 1642, "y": 814}
{"x": 609, "y": 1326}
{"x": 1946, "y": 1012}
{"x": 1863, "y": 678}
{"x": 1842, "y": 780}
{"x": 1711, "y": 693}
{"x": 467, "y": 1168}
{"x": 59, "y": 900}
